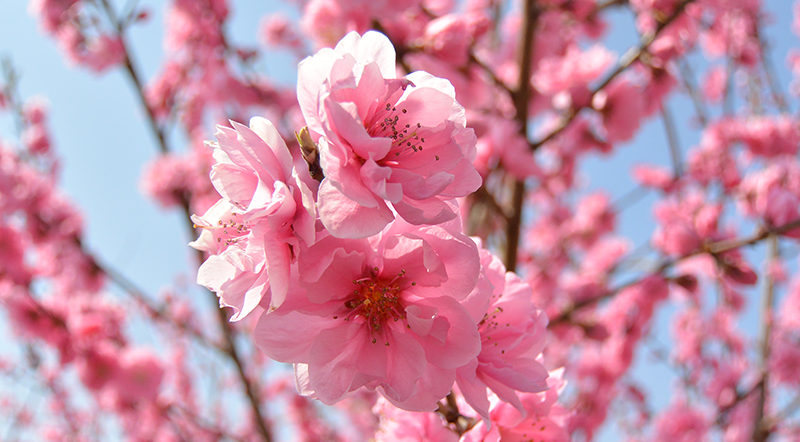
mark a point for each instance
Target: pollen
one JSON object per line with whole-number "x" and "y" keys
{"x": 377, "y": 300}
{"x": 405, "y": 138}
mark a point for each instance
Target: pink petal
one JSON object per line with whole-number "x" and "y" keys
{"x": 345, "y": 218}
{"x": 452, "y": 339}
{"x": 419, "y": 212}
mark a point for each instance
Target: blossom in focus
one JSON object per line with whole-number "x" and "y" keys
{"x": 382, "y": 140}
{"x": 254, "y": 230}
{"x": 544, "y": 418}
{"x": 383, "y": 313}
{"x": 513, "y": 333}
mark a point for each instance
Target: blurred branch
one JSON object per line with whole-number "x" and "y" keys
{"x": 633, "y": 54}
{"x": 489, "y": 71}
{"x": 727, "y": 104}
{"x": 769, "y": 71}
{"x": 687, "y": 75}
{"x": 713, "y": 249}
{"x": 229, "y": 345}
{"x": 10, "y": 89}
{"x": 521, "y": 97}
{"x": 760, "y": 430}
{"x": 672, "y": 140}
{"x": 156, "y": 312}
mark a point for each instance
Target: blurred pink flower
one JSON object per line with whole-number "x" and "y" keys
{"x": 398, "y": 425}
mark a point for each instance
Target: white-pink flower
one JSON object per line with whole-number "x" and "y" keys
{"x": 383, "y": 140}
{"x": 382, "y": 313}
{"x": 255, "y": 230}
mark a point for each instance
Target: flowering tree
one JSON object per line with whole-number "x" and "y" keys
{"x": 404, "y": 246}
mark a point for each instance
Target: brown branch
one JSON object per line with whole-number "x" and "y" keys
{"x": 633, "y": 54}
{"x": 687, "y": 76}
{"x": 486, "y": 68}
{"x": 460, "y": 424}
{"x": 769, "y": 71}
{"x": 521, "y": 98}
{"x": 712, "y": 249}
{"x": 760, "y": 430}
{"x": 154, "y": 311}
{"x": 672, "y": 140}
{"x": 222, "y": 316}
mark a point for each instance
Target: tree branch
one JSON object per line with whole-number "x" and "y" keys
{"x": 222, "y": 316}
{"x": 521, "y": 98}
{"x": 632, "y": 55}
{"x": 713, "y": 249}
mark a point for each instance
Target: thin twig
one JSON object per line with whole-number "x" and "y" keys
{"x": 713, "y": 249}
{"x": 769, "y": 71}
{"x": 486, "y": 68}
{"x": 687, "y": 76}
{"x": 222, "y": 316}
{"x": 672, "y": 140}
{"x": 157, "y": 312}
{"x": 760, "y": 430}
{"x": 632, "y": 55}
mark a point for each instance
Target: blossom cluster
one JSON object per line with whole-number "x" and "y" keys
{"x": 362, "y": 276}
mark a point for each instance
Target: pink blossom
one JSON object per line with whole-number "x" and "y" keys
{"x": 327, "y": 21}
{"x": 790, "y": 309}
{"x": 711, "y": 161}
{"x": 773, "y": 194}
{"x": 593, "y": 218}
{"x": 714, "y": 84}
{"x": 681, "y": 423}
{"x": 195, "y": 25}
{"x": 98, "y": 53}
{"x": 502, "y": 144}
{"x": 785, "y": 358}
{"x": 398, "y": 425}
{"x": 98, "y": 365}
{"x": 771, "y": 136}
{"x": 654, "y": 176}
{"x": 604, "y": 255}
{"x": 621, "y": 105}
{"x": 166, "y": 179}
{"x": 382, "y": 139}
{"x": 35, "y": 110}
{"x": 685, "y": 223}
{"x": 52, "y": 13}
{"x": 447, "y": 39}
{"x": 12, "y": 256}
{"x": 513, "y": 333}
{"x": 571, "y": 73}
{"x": 727, "y": 375}
{"x": 659, "y": 83}
{"x": 544, "y": 418}
{"x": 382, "y": 313}
{"x": 266, "y": 211}
{"x": 276, "y": 30}
{"x": 139, "y": 375}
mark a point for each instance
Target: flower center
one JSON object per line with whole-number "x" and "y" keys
{"x": 377, "y": 300}
{"x": 227, "y": 232}
{"x": 405, "y": 139}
